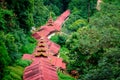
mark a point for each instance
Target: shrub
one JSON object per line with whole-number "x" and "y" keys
{"x": 64, "y": 76}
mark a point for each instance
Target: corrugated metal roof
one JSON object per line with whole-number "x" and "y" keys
{"x": 44, "y": 58}
{"x": 40, "y": 70}
{"x": 56, "y": 26}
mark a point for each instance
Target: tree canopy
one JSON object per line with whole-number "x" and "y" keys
{"x": 89, "y": 40}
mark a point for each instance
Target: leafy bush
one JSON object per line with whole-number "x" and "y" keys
{"x": 83, "y": 7}
{"x": 88, "y": 45}
{"x": 64, "y": 52}
{"x": 5, "y": 58}
{"x": 23, "y": 11}
{"x": 64, "y": 76}
{"x": 77, "y": 24}
{"x": 40, "y": 10}
{"x": 29, "y": 46}
{"x": 108, "y": 15}
{"x": 6, "y": 19}
{"x": 13, "y": 73}
{"x": 108, "y": 67}
{"x": 91, "y": 48}
{"x": 59, "y": 39}
{"x": 23, "y": 63}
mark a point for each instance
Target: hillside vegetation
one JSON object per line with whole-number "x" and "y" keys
{"x": 89, "y": 40}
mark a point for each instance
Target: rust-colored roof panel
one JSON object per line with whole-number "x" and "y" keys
{"x": 53, "y": 47}
{"x": 36, "y": 35}
{"x": 27, "y": 56}
{"x": 57, "y": 62}
{"x": 58, "y": 23}
{"x": 44, "y": 59}
{"x": 40, "y": 70}
{"x": 63, "y": 66}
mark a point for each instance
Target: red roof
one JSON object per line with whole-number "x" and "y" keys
{"x": 45, "y": 60}
{"x": 63, "y": 66}
{"x": 44, "y": 31}
{"x": 40, "y": 70}
{"x": 53, "y": 47}
{"x": 58, "y": 62}
{"x": 58, "y": 23}
{"x": 27, "y": 57}
{"x": 36, "y": 35}
{"x": 56, "y": 26}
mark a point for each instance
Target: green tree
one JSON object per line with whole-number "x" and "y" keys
{"x": 23, "y": 10}
{"x": 86, "y": 8}
{"x": 40, "y": 10}
{"x": 59, "y": 39}
{"x": 88, "y": 45}
{"x": 108, "y": 15}
{"x": 108, "y": 67}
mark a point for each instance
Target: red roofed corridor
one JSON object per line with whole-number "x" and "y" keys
{"x": 44, "y": 58}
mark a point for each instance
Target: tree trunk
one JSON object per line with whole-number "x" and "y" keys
{"x": 98, "y": 4}
{"x": 88, "y": 6}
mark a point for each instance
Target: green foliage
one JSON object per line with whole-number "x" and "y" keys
{"x": 64, "y": 76}
{"x": 13, "y": 73}
{"x": 12, "y": 46}
{"x": 5, "y": 59}
{"x": 29, "y": 46}
{"x": 85, "y": 8}
{"x": 85, "y": 40}
{"x": 57, "y": 6}
{"x": 108, "y": 16}
{"x": 74, "y": 22}
{"x": 13, "y": 38}
{"x": 90, "y": 48}
{"x": 6, "y": 19}
{"x": 72, "y": 18}
{"x": 55, "y": 38}
{"x": 59, "y": 39}
{"x": 40, "y": 11}
{"x": 110, "y": 38}
{"x": 23, "y": 10}
{"x": 23, "y": 63}
{"x": 87, "y": 44}
{"x": 108, "y": 67}
{"x": 7, "y": 40}
{"x": 64, "y": 54}
{"x": 112, "y": 1}
{"x": 54, "y": 8}
{"x": 77, "y": 24}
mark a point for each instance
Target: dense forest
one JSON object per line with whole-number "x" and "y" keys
{"x": 89, "y": 40}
